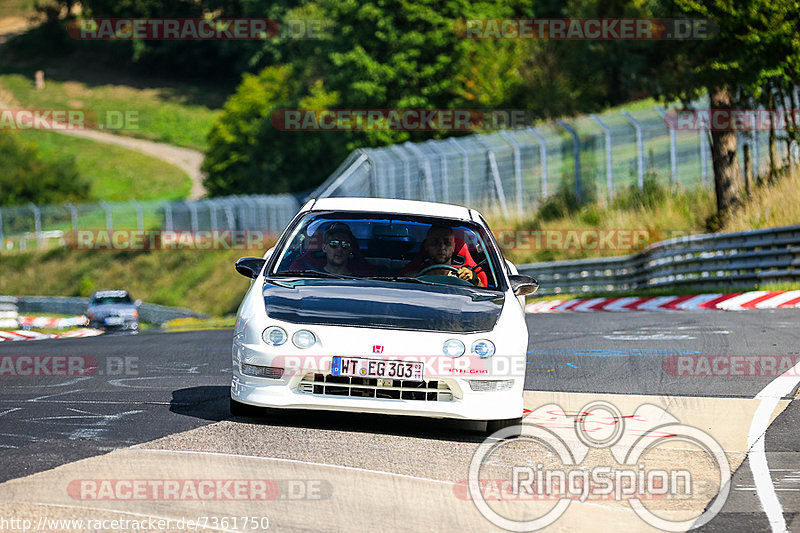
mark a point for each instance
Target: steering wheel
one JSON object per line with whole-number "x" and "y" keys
{"x": 436, "y": 267}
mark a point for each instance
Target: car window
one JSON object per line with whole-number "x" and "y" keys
{"x": 386, "y": 246}
{"x": 105, "y": 300}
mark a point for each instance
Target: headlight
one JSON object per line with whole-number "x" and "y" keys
{"x": 483, "y": 348}
{"x": 274, "y": 336}
{"x": 304, "y": 339}
{"x": 453, "y": 348}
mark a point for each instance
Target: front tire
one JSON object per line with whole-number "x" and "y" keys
{"x": 496, "y": 425}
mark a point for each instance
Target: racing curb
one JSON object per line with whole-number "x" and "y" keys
{"x": 737, "y": 301}
{"x": 22, "y": 335}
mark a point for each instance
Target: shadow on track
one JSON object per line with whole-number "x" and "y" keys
{"x": 212, "y": 403}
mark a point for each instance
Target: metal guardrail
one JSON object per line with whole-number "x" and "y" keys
{"x": 722, "y": 261}
{"x": 152, "y": 313}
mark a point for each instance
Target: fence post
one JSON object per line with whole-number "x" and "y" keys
{"x": 109, "y": 219}
{"x": 442, "y": 169}
{"x": 639, "y": 147}
{"x": 139, "y": 215}
{"x": 673, "y": 149}
{"x": 465, "y": 155}
{"x": 167, "y": 216}
{"x": 406, "y": 171}
{"x": 703, "y": 150}
{"x": 193, "y": 222}
{"x": 542, "y": 156}
{"x": 37, "y": 223}
{"x": 516, "y": 148}
{"x": 384, "y": 159}
{"x": 495, "y": 173}
{"x": 576, "y": 154}
{"x": 609, "y": 163}
{"x": 424, "y": 164}
{"x": 212, "y": 213}
{"x": 73, "y": 215}
{"x": 754, "y": 135}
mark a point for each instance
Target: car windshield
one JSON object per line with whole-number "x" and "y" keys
{"x": 109, "y": 300}
{"x": 401, "y": 248}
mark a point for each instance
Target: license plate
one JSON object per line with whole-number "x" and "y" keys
{"x": 113, "y": 320}
{"x": 359, "y": 367}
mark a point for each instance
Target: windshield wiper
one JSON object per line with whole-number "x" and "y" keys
{"x": 313, "y": 274}
{"x": 405, "y": 279}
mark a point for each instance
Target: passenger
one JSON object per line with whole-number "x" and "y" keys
{"x": 339, "y": 254}
{"x": 438, "y": 249}
{"x": 337, "y": 244}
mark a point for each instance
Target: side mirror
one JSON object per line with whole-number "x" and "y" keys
{"x": 250, "y": 267}
{"x": 137, "y": 303}
{"x": 523, "y": 285}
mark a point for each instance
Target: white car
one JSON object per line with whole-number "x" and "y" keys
{"x": 383, "y": 306}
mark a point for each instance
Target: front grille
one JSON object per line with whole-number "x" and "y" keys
{"x": 395, "y": 389}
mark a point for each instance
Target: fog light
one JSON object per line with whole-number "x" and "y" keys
{"x": 453, "y": 348}
{"x": 271, "y": 372}
{"x": 486, "y": 385}
{"x": 274, "y": 336}
{"x": 304, "y": 339}
{"x": 483, "y": 348}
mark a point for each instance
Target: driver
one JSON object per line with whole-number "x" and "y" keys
{"x": 438, "y": 247}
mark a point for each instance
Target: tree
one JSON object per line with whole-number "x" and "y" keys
{"x": 25, "y": 177}
{"x": 755, "y": 37}
{"x": 376, "y": 55}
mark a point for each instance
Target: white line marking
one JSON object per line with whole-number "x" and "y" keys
{"x": 769, "y": 396}
{"x": 298, "y": 461}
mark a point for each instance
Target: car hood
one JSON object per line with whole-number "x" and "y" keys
{"x": 382, "y": 304}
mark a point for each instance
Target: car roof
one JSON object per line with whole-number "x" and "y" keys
{"x": 391, "y": 205}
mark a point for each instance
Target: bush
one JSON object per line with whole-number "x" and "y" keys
{"x": 25, "y": 177}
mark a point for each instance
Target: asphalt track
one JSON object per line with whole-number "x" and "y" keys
{"x": 157, "y": 407}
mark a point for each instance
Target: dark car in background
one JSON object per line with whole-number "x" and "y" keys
{"x": 113, "y": 310}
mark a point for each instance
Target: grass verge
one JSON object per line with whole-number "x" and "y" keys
{"x": 115, "y": 173}
{"x": 162, "y": 114}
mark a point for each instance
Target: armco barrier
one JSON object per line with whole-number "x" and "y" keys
{"x": 722, "y": 261}
{"x": 152, "y": 313}
{"x": 9, "y": 317}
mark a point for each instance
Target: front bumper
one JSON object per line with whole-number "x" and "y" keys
{"x": 461, "y": 403}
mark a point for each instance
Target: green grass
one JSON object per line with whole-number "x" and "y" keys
{"x": 164, "y": 114}
{"x": 115, "y": 173}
